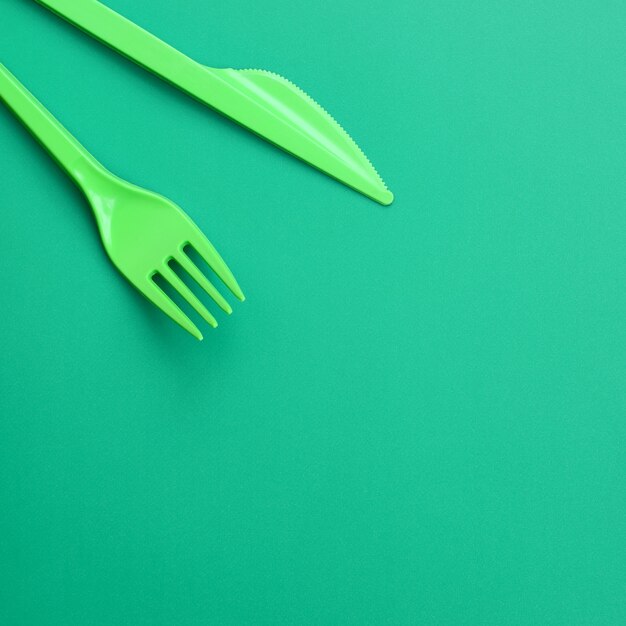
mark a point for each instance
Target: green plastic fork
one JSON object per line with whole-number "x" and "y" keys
{"x": 142, "y": 232}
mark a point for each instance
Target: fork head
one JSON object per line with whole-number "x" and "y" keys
{"x": 144, "y": 234}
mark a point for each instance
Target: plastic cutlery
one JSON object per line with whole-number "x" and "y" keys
{"x": 142, "y": 232}
{"x": 264, "y": 102}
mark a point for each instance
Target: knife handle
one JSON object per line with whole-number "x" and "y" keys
{"x": 129, "y": 39}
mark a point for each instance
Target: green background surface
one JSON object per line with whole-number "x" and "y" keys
{"x": 418, "y": 416}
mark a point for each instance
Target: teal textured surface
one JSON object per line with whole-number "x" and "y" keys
{"x": 417, "y": 417}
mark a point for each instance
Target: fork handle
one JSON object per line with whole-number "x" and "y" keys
{"x": 63, "y": 147}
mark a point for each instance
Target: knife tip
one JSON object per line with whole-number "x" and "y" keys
{"x": 385, "y": 197}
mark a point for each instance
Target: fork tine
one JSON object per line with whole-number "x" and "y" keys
{"x": 172, "y": 277}
{"x": 215, "y": 261}
{"x": 160, "y": 299}
{"x": 190, "y": 267}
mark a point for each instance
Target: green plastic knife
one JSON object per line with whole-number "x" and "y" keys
{"x": 263, "y": 102}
